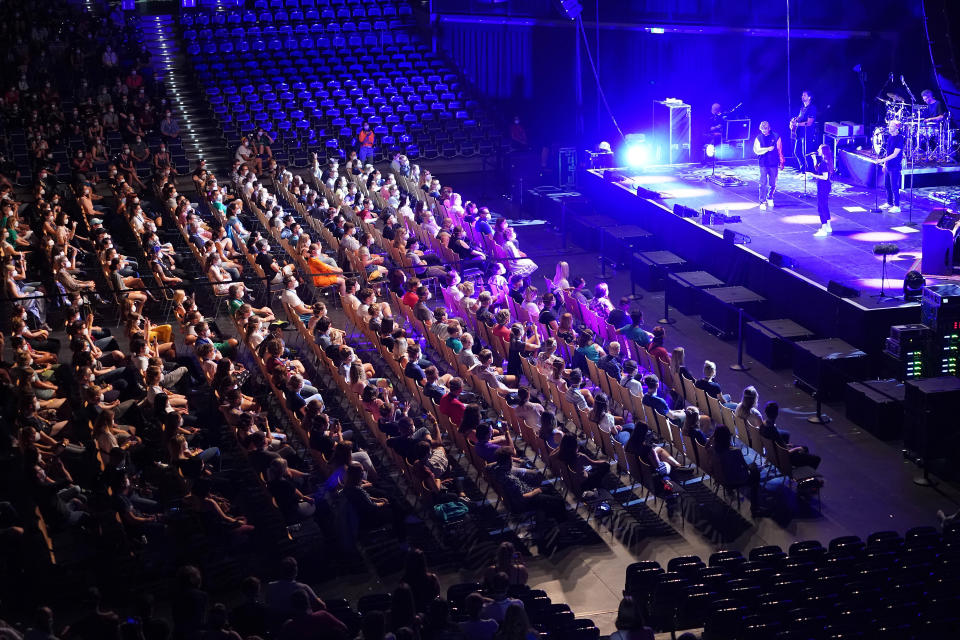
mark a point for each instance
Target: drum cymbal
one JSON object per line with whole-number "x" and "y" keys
{"x": 895, "y": 97}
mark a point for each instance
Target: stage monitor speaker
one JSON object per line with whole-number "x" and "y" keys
{"x": 736, "y": 238}
{"x": 782, "y": 261}
{"x": 684, "y": 212}
{"x": 612, "y": 175}
{"x": 842, "y": 290}
{"x": 643, "y": 192}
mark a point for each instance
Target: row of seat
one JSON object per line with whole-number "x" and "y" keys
{"x": 305, "y": 12}
{"x": 332, "y": 28}
{"x": 886, "y": 586}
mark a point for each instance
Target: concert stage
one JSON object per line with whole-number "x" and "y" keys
{"x": 801, "y": 291}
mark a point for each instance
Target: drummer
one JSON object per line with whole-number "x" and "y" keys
{"x": 933, "y": 111}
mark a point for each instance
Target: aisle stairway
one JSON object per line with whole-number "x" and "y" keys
{"x": 201, "y": 139}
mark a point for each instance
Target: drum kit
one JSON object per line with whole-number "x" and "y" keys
{"x": 931, "y": 143}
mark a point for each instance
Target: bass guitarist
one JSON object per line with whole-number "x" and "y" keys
{"x": 803, "y": 129}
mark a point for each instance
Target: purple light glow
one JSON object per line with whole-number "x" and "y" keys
{"x": 801, "y": 219}
{"x": 734, "y": 206}
{"x": 891, "y": 284}
{"x": 639, "y": 180}
{"x": 877, "y": 236}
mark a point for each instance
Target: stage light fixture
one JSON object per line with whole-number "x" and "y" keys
{"x": 913, "y": 285}
{"x": 710, "y": 151}
{"x": 636, "y": 152}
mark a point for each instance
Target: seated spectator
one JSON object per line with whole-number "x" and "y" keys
{"x": 580, "y": 292}
{"x": 506, "y": 560}
{"x": 450, "y": 405}
{"x": 496, "y": 608}
{"x": 629, "y": 623}
{"x": 549, "y": 432}
{"x": 587, "y": 349}
{"x": 655, "y": 348}
{"x": 502, "y": 329}
{"x": 612, "y": 425}
{"x": 659, "y": 459}
{"x": 620, "y": 316}
{"x": 477, "y": 626}
{"x": 452, "y": 339}
{"x": 525, "y": 409}
{"x": 651, "y": 398}
{"x": 590, "y": 472}
{"x": 466, "y": 356}
{"x": 422, "y": 582}
{"x": 565, "y": 330}
{"x": 691, "y": 425}
{"x": 747, "y": 409}
{"x": 293, "y": 505}
{"x": 734, "y": 468}
{"x": 800, "y": 455}
{"x": 601, "y": 304}
{"x": 635, "y": 331}
{"x": 610, "y": 362}
{"x": 711, "y": 387}
{"x": 371, "y": 512}
{"x": 524, "y": 342}
{"x": 580, "y": 397}
{"x": 504, "y": 384}
{"x": 307, "y": 624}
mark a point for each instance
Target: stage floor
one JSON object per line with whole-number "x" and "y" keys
{"x": 846, "y": 256}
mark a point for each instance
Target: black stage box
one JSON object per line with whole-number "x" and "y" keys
{"x": 771, "y": 342}
{"x": 648, "y": 269}
{"x": 720, "y": 309}
{"x": 877, "y": 407}
{"x": 931, "y": 416}
{"x": 684, "y": 290}
{"x": 828, "y": 365}
{"x": 622, "y": 241}
{"x": 586, "y": 230}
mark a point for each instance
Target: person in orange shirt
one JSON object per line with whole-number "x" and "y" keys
{"x": 323, "y": 274}
{"x": 366, "y": 138}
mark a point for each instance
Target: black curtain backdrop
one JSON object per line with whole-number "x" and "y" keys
{"x": 529, "y": 70}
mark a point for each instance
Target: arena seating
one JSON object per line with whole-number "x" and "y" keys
{"x": 310, "y": 76}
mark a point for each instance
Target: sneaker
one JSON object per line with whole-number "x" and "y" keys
{"x": 885, "y": 205}
{"x": 821, "y": 232}
{"x": 893, "y": 210}
{"x": 769, "y": 204}
{"x": 763, "y": 206}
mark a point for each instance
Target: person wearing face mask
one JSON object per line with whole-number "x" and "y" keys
{"x": 169, "y": 128}
{"x": 110, "y": 120}
{"x": 139, "y": 150}
{"x": 366, "y": 139}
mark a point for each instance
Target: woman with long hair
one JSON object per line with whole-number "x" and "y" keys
{"x": 506, "y": 560}
{"x": 823, "y": 173}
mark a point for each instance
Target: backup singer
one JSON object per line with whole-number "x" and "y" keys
{"x": 803, "y": 128}
{"x": 823, "y": 173}
{"x": 892, "y": 166}
{"x": 768, "y": 148}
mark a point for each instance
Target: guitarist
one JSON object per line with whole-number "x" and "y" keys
{"x": 802, "y": 128}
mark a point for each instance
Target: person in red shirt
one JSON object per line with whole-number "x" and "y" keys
{"x": 307, "y": 624}
{"x": 366, "y": 138}
{"x": 656, "y": 348}
{"x": 502, "y": 330}
{"x": 410, "y": 298}
{"x": 450, "y": 405}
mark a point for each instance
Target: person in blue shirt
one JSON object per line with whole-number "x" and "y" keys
{"x": 653, "y": 400}
{"x": 635, "y": 331}
{"x": 483, "y": 222}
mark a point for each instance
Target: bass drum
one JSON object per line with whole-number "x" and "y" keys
{"x": 879, "y": 139}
